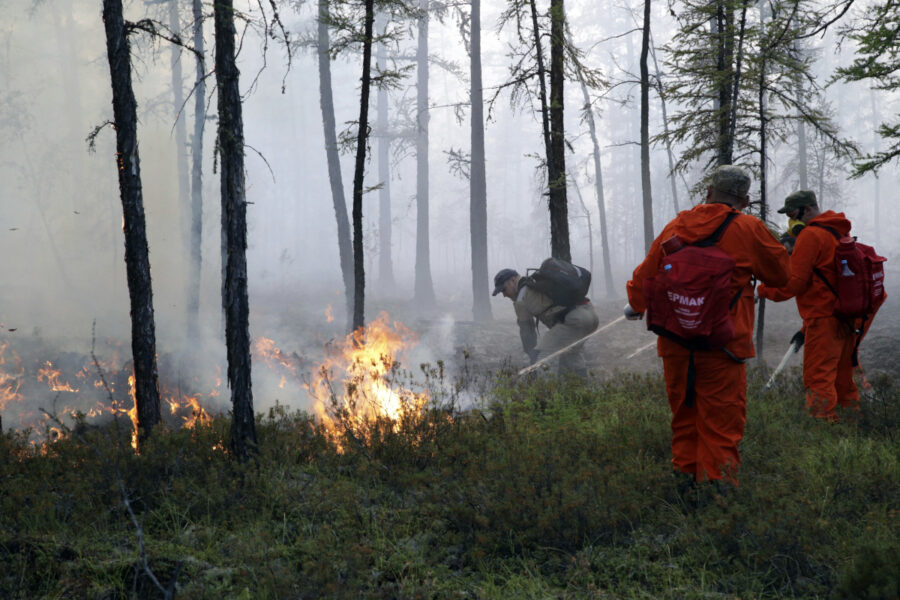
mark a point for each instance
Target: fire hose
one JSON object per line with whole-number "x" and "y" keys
{"x": 537, "y": 364}
{"x": 796, "y": 344}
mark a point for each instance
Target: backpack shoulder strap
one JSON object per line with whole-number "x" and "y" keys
{"x": 818, "y": 272}
{"x": 831, "y": 230}
{"x": 714, "y": 238}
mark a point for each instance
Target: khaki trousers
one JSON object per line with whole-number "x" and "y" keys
{"x": 581, "y": 321}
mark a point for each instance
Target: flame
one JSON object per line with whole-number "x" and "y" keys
{"x": 329, "y": 315}
{"x": 132, "y": 412}
{"x": 52, "y": 377}
{"x": 278, "y": 360}
{"x": 363, "y": 364}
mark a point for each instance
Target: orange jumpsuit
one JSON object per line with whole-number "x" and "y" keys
{"x": 705, "y": 435}
{"x": 828, "y": 350}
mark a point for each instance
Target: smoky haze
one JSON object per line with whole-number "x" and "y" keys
{"x": 61, "y": 236}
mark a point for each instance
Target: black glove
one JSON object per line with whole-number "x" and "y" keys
{"x": 798, "y": 340}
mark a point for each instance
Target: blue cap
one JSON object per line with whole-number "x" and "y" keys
{"x": 501, "y": 278}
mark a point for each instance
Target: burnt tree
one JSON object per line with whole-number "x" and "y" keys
{"x": 137, "y": 258}
{"x": 359, "y": 272}
{"x": 556, "y": 160}
{"x": 234, "y": 226}
{"x": 645, "y": 131}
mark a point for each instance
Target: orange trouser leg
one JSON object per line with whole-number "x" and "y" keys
{"x": 827, "y": 368}
{"x": 705, "y": 436}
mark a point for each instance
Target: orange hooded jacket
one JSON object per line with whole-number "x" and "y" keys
{"x": 747, "y": 240}
{"x": 814, "y": 249}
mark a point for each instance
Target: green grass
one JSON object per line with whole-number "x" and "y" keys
{"x": 556, "y": 489}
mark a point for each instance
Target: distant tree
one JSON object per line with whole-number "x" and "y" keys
{"x": 385, "y": 262}
{"x": 481, "y": 304}
{"x": 326, "y": 104}
{"x": 196, "y": 237}
{"x": 424, "y": 287}
{"x": 137, "y": 258}
{"x": 876, "y": 35}
{"x": 181, "y": 154}
{"x": 234, "y": 226}
{"x": 588, "y": 113}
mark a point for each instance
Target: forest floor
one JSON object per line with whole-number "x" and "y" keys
{"x": 542, "y": 488}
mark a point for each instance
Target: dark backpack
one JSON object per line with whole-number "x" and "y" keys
{"x": 860, "y": 277}
{"x": 689, "y": 300}
{"x": 564, "y": 283}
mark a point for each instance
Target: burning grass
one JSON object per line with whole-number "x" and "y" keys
{"x": 557, "y": 490}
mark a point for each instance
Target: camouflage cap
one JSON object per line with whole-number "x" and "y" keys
{"x": 731, "y": 180}
{"x": 798, "y": 199}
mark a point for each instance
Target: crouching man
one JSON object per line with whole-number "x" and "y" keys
{"x": 565, "y": 324}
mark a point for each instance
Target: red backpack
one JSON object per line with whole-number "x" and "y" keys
{"x": 859, "y": 292}
{"x": 689, "y": 300}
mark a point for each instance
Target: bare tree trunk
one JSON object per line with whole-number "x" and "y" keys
{"x": 763, "y": 180}
{"x": 724, "y": 40}
{"x": 359, "y": 272}
{"x": 665, "y": 119}
{"x": 735, "y": 92}
{"x": 587, "y": 215}
{"x": 385, "y": 262}
{"x": 645, "y": 131}
{"x": 876, "y": 206}
{"x": 424, "y": 288}
{"x": 598, "y": 182}
{"x": 481, "y": 300}
{"x": 137, "y": 256}
{"x": 234, "y": 224}
{"x": 326, "y": 103}
{"x": 181, "y": 154}
{"x": 196, "y": 244}
{"x": 542, "y": 85}
{"x": 559, "y": 210}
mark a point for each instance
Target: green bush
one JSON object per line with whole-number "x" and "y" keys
{"x": 553, "y": 488}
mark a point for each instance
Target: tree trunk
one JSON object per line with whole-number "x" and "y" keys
{"x": 735, "y": 92}
{"x": 723, "y": 36}
{"x": 876, "y": 146}
{"x": 196, "y": 246}
{"x": 587, "y": 216}
{"x": 326, "y": 103}
{"x": 424, "y": 288}
{"x": 137, "y": 256}
{"x": 385, "y": 262}
{"x": 359, "y": 272}
{"x": 598, "y": 181}
{"x": 763, "y": 182}
{"x": 181, "y": 155}
{"x": 645, "y": 131}
{"x": 481, "y": 300}
{"x": 559, "y": 211}
{"x": 542, "y": 85}
{"x": 665, "y": 120}
{"x": 234, "y": 224}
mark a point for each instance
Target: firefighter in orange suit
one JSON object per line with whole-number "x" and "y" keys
{"x": 830, "y": 344}
{"x": 706, "y": 433}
